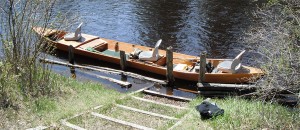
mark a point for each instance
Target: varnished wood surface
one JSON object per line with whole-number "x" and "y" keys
{"x": 157, "y": 67}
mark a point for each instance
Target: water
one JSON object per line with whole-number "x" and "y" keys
{"x": 189, "y": 26}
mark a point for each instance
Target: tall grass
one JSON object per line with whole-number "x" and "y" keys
{"x": 21, "y": 76}
{"x": 73, "y": 97}
{"x": 276, "y": 44}
{"x": 244, "y": 114}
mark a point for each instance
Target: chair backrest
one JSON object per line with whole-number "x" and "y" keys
{"x": 239, "y": 56}
{"x": 236, "y": 63}
{"x": 155, "y": 51}
{"x": 78, "y": 30}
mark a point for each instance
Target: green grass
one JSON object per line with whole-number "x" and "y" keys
{"x": 136, "y": 117}
{"x": 76, "y": 97}
{"x": 247, "y": 114}
{"x": 151, "y": 107}
{"x": 44, "y": 105}
{"x": 79, "y": 97}
{"x": 73, "y": 97}
{"x": 89, "y": 121}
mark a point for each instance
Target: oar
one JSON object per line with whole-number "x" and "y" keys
{"x": 122, "y": 83}
{"x": 105, "y": 70}
{"x": 189, "y": 59}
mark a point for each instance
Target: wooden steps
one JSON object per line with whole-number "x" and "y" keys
{"x": 121, "y": 121}
{"x": 68, "y": 124}
{"x": 146, "y": 112}
{"x": 124, "y": 123}
{"x": 167, "y": 96}
{"x": 159, "y": 103}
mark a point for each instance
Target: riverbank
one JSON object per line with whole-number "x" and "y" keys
{"x": 73, "y": 97}
{"x": 77, "y": 97}
{"x": 32, "y": 97}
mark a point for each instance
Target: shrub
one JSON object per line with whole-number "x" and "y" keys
{"x": 276, "y": 44}
{"x": 20, "y": 73}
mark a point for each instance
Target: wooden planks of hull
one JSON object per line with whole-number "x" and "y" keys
{"x": 106, "y": 50}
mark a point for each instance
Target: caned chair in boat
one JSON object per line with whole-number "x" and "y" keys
{"x": 230, "y": 66}
{"x": 151, "y": 55}
{"x": 74, "y": 36}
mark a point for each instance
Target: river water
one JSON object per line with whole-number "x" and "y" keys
{"x": 189, "y": 26}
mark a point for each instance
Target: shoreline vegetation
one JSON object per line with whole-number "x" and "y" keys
{"x": 275, "y": 44}
{"x": 31, "y": 95}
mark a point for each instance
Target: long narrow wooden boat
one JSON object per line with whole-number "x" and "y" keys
{"x": 106, "y": 50}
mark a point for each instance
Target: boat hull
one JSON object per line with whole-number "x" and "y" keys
{"x": 251, "y": 74}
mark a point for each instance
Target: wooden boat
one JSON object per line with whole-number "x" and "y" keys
{"x": 184, "y": 65}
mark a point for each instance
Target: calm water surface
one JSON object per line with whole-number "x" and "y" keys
{"x": 189, "y": 26}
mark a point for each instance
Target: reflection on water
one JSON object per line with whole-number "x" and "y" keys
{"x": 191, "y": 26}
{"x": 123, "y": 78}
{"x": 171, "y": 91}
{"x": 226, "y": 21}
{"x": 73, "y": 73}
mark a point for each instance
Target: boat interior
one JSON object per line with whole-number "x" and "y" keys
{"x": 111, "y": 48}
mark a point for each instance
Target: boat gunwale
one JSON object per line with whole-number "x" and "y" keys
{"x": 258, "y": 72}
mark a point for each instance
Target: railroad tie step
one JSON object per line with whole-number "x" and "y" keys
{"x": 159, "y": 103}
{"x": 121, "y": 121}
{"x": 167, "y": 96}
{"x": 68, "y": 124}
{"x": 146, "y": 112}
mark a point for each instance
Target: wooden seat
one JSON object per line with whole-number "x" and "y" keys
{"x": 231, "y": 66}
{"x": 161, "y": 61}
{"x": 74, "y": 36}
{"x": 150, "y": 55}
{"x": 94, "y": 44}
{"x": 84, "y": 39}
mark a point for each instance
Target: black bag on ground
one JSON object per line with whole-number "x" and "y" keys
{"x": 208, "y": 110}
